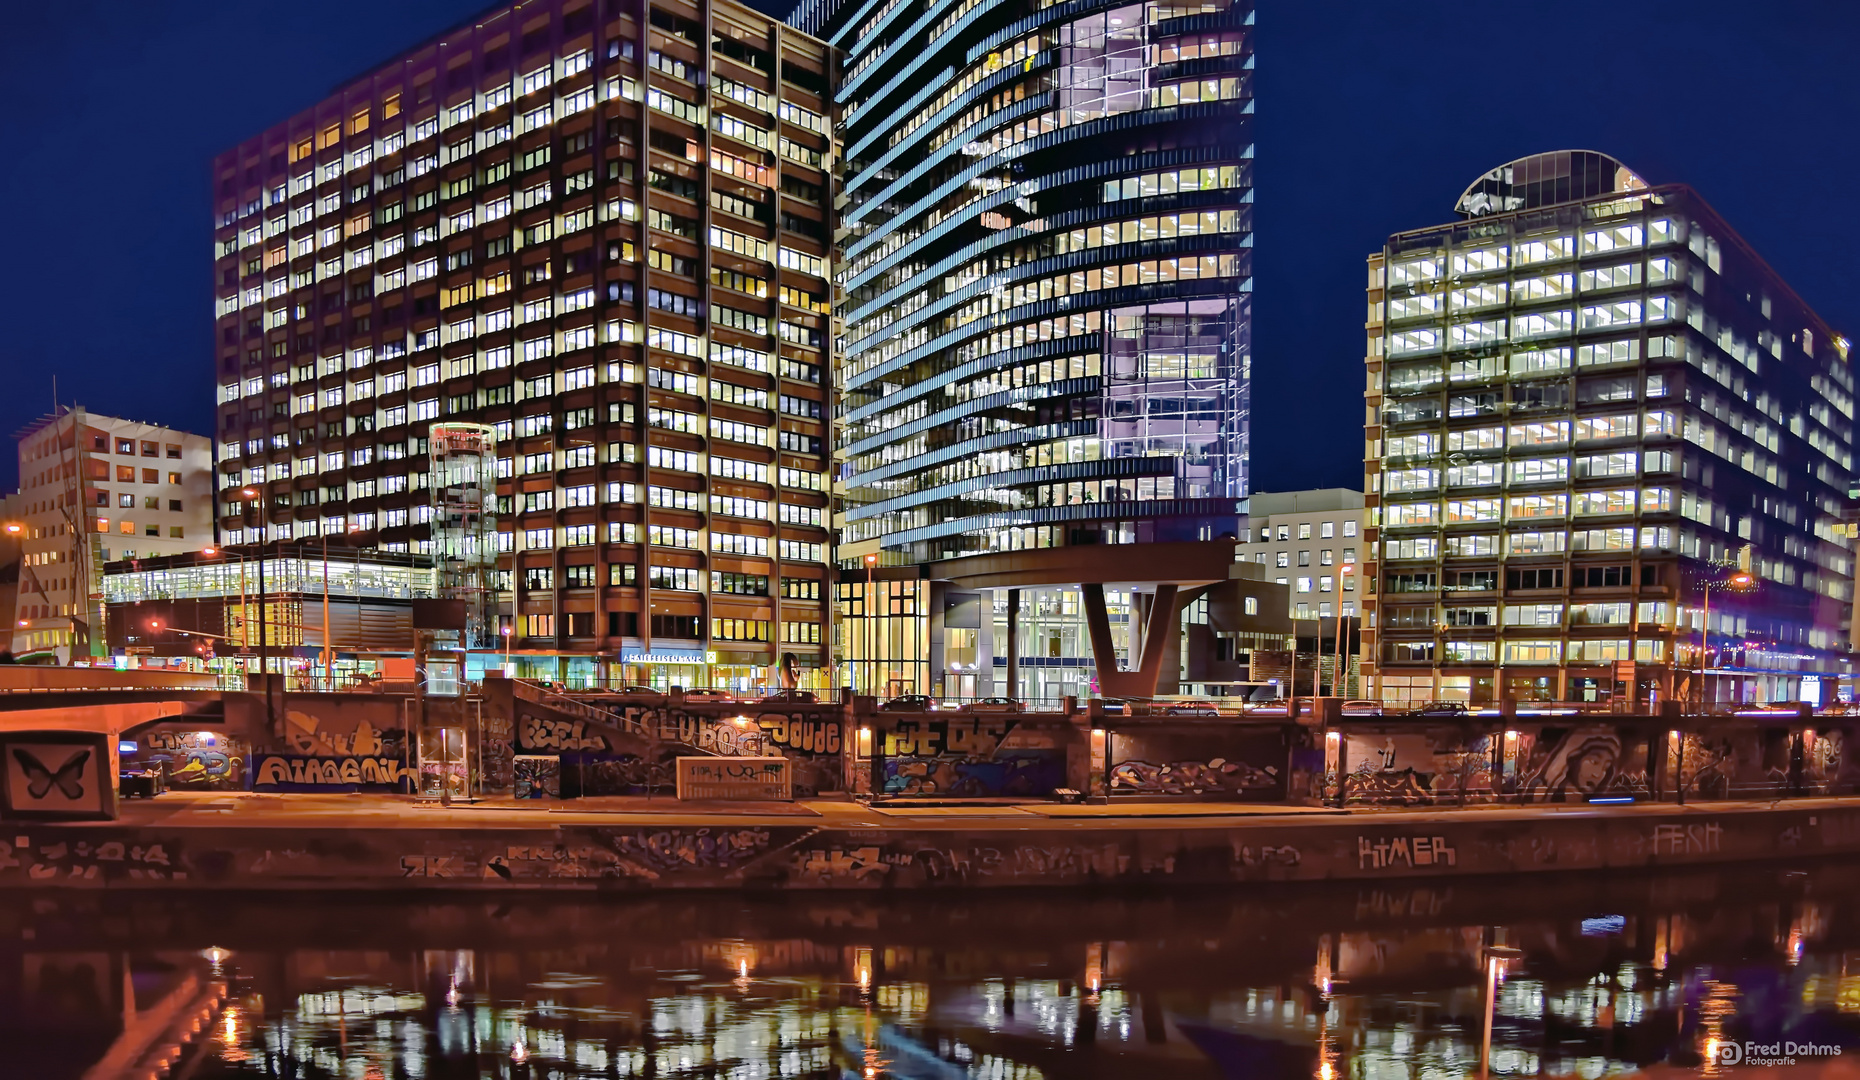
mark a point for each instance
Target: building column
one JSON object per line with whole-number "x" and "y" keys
{"x": 1013, "y": 644}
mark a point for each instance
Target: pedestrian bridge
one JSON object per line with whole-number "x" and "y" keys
{"x": 99, "y": 701}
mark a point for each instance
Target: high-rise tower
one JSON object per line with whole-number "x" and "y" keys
{"x": 600, "y": 228}
{"x": 1046, "y": 316}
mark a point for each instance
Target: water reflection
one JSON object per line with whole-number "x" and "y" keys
{"x": 1614, "y": 975}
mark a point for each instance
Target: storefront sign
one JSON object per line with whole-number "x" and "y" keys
{"x": 662, "y": 656}
{"x": 756, "y": 778}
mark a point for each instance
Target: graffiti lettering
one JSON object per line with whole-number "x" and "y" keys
{"x": 1265, "y": 855}
{"x": 85, "y": 860}
{"x": 543, "y": 733}
{"x": 427, "y": 866}
{"x": 857, "y": 864}
{"x": 1192, "y": 777}
{"x": 280, "y": 771}
{"x": 796, "y": 733}
{"x": 1411, "y": 851}
{"x": 669, "y": 849}
{"x": 1673, "y": 839}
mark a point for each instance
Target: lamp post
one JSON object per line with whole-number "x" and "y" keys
{"x": 1341, "y": 679}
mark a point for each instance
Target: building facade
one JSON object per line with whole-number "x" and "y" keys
{"x": 1591, "y": 405}
{"x": 1047, "y": 278}
{"x": 1046, "y": 314}
{"x": 93, "y": 489}
{"x": 205, "y": 611}
{"x": 1305, "y": 540}
{"x": 603, "y": 229}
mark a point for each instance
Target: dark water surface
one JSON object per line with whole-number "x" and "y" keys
{"x": 1348, "y": 980}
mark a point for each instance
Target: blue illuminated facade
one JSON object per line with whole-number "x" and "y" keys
{"x": 1047, "y": 277}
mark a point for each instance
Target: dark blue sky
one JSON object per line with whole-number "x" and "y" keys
{"x": 1372, "y": 118}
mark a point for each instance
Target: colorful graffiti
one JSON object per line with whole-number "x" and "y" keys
{"x": 193, "y": 760}
{"x": 807, "y": 734}
{"x": 291, "y": 772}
{"x": 537, "y": 776}
{"x": 971, "y": 756}
{"x": 1232, "y": 765}
{"x": 1215, "y": 777}
{"x": 1575, "y": 764}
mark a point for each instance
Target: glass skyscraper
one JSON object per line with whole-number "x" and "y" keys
{"x": 1047, "y": 230}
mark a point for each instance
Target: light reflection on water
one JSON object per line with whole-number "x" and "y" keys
{"x": 1330, "y": 982}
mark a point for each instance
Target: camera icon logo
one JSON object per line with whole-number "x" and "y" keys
{"x": 1727, "y": 1052}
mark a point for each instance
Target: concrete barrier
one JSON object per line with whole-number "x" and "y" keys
{"x": 458, "y": 852}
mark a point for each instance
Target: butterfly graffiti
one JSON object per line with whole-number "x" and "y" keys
{"x": 67, "y": 778}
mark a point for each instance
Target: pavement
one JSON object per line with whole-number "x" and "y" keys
{"x": 246, "y": 809}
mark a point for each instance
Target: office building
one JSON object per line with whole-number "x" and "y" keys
{"x": 92, "y": 489}
{"x": 204, "y": 610}
{"x": 1592, "y": 409}
{"x": 1307, "y": 541}
{"x": 601, "y": 230}
{"x": 1046, "y": 240}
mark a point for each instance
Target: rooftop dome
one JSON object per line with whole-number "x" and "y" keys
{"x": 1546, "y": 179}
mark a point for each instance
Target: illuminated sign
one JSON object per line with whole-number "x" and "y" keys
{"x": 664, "y": 656}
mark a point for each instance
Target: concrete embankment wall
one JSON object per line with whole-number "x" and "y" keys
{"x": 640, "y": 855}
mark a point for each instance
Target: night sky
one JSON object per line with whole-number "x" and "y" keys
{"x": 1372, "y": 118}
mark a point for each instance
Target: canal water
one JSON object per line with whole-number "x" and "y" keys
{"x": 1612, "y": 975}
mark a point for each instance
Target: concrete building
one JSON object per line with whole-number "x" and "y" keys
{"x": 1047, "y": 238}
{"x": 1596, "y": 414}
{"x": 603, "y": 230}
{"x": 93, "y": 489}
{"x": 1309, "y": 542}
{"x": 1305, "y": 540}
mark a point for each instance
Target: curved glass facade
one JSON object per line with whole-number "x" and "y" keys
{"x": 1047, "y": 244}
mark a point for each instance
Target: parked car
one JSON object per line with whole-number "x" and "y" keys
{"x": 910, "y": 703}
{"x": 1193, "y": 708}
{"x": 1440, "y": 708}
{"x": 992, "y": 704}
{"x": 705, "y": 694}
{"x": 639, "y": 691}
{"x": 790, "y": 697}
{"x": 1362, "y": 708}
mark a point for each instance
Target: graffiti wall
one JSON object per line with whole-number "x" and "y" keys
{"x": 335, "y": 749}
{"x": 537, "y": 776}
{"x": 819, "y": 855}
{"x": 1574, "y": 764}
{"x": 1238, "y": 765}
{"x": 983, "y": 755}
{"x": 192, "y": 760}
{"x": 1405, "y": 768}
{"x": 634, "y": 754}
{"x": 293, "y": 772}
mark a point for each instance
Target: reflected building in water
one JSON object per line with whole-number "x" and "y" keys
{"x": 1356, "y": 982}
